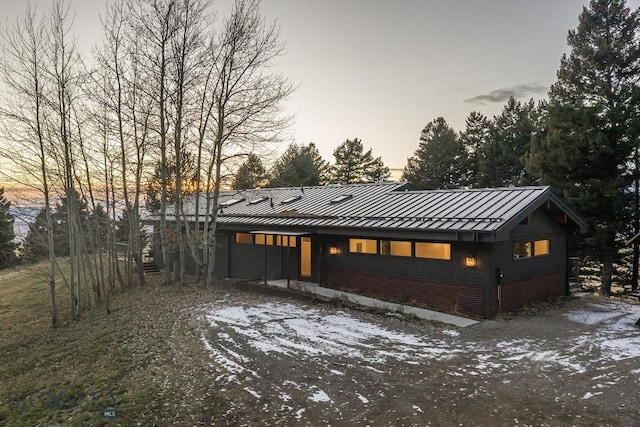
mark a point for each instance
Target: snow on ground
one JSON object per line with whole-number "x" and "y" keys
{"x": 617, "y": 335}
{"x": 245, "y": 340}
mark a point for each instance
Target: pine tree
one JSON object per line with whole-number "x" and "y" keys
{"x": 321, "y": 165}
{"x": 439, "y": 160}
{"x": 354, "y": 165}
{"x": 250, "y": 174}
{"x": 593, "y": 126}
{"x": 474, "y": 138}
{"x": 298, "y": 166}
{"x": 36, "y": 246}
{"x": 502, "y": 159}
{"x": 7, "y": 235}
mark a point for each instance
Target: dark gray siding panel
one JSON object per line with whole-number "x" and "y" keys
{"x": 446, "y": 271}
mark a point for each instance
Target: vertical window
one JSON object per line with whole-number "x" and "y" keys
{"x": 278, "y": 240}
{"x": 292, "y": 241}
{"x": 270, "y": 239}
{"x": 433, "y": 250}
{"x": 305, "y": 256}
{"x": 244, "y": 238}
{"x": 363, "y": 246}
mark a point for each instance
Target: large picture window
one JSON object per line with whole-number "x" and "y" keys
{"x": 433, "y": 250}
{"x": 363, "y": 246}
{"x": 393, "y": 247}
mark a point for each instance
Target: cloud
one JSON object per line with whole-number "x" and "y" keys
{"x": 503, "y": 94}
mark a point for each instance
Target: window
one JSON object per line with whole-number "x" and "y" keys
{"x": 433, "y": 250}
{"x": 530, "y": 249}
{"x": 541, "y": 247}
{"x": 391, "y": 247}
{"x": 270, "y": 239}
{"x": 363, "y": 246}
{"x": 244, "y": 238}
{"x": 259, "y": 239}
{"x": 522, "y": 250}
{"x": 292, "y": 241}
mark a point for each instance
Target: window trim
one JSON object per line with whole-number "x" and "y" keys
{"x": 447, "y": 245}
{"x": 532, "y": 250}
{"x": 377, "y": 252}
{"x": 381, "y": 242}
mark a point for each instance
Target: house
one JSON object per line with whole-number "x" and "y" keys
{"x": 475, "y": 252}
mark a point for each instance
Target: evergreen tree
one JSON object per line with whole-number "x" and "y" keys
{"x": 474, "y": 139}
{"x": 593, "y": 126}
{"x": 439, "y": 160}
{"x": 377, "y": 171}
{"x": 354, "y": 165}
{"x": 188, "y": 173}
{"x": 322, "y": 166}
{"x": 502, "y": 160}
{"x": 7, "y": 235}
{"x": 250, "y": 174}
{"x": 36, "y": 246}
{"x": 122, "y": 226}
{"x": 298, "y": 166}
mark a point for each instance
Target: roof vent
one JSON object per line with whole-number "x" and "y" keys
{"x": 231, "y": 202}
{"x": 340, "y": 198}
{"x": 291, "y": 200}
{"x": 258, "y": 200}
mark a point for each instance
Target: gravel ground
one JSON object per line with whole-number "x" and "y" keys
{"x": 261, "y": 357}
{"x": 249, "y": 355}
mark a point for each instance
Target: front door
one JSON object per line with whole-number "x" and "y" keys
{"x": 305, "y": 256}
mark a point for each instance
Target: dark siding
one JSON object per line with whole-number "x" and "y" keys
{"x": 443, "y": 271}
{"x": 532, "y": 279}
{"x": 248, "y": 261}
{"x": 438, "y": 284}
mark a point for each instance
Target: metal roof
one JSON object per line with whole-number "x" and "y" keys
{"x": 388, "y": 206}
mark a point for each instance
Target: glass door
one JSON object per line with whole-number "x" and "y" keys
{"x": 305, "y": 256}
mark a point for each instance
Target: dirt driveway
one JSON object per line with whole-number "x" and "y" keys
{"x": 274, "y": 360}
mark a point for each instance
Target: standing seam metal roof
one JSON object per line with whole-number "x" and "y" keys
{"x": 381, "y": 206}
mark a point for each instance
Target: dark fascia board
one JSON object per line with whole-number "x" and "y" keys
{"x": 380, "y": 233}
{"x": 502, "y": 233}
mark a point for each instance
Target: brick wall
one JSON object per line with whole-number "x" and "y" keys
{"x": 467, "y": 300}
{"x": 517, "y": 295}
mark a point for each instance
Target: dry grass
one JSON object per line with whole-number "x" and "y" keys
{"x": 125, "y": 360}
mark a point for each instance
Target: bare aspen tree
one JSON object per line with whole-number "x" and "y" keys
{"x": 247, "y": 96}
{"x": 154, "y": 25}
{"x": 23, "y": 122}
{"x": 188, "y": 51}
{"x": 63, "y": 61}
{"x": 119, "y": 75}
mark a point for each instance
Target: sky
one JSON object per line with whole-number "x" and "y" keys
{"x": 381, "y": 70}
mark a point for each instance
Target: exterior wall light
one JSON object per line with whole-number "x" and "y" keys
{"x": 470, "y": 261}
{"x": 334, "y": 250}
